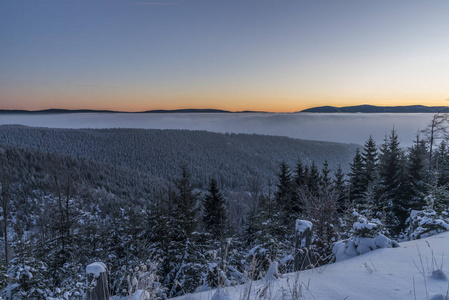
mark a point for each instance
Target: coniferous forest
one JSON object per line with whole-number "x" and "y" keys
{"x": 181, "y": 211}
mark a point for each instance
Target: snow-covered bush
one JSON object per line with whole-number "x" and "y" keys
{"x": 424, "y": 223}
{"x": 143, "y": 283}
{"x": 261, "y": 258}
{"x": 365, "y": 237}
{"x": 26, "y": 280}
{"x": 216, "y": 276}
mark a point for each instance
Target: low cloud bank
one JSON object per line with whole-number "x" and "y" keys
{"x": 345, "y": 128}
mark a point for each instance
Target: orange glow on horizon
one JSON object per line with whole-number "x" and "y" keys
{"x": 265, "y": 105}
{"x": 137, "y": 100}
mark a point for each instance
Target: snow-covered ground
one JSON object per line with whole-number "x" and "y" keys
{"x": 418, "y": 269}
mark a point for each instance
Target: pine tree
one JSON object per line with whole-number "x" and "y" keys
{"x": 215, "y": 216}
{"x": 392, "y": 194}
{"x": 285, "y": 186}
{"x": 313, "y": 179}
{"x": 325, "y": 177}
{"x": 300, "y": 174}
{"x": 356, "y": 179}
{"x": 339, "y": 184}
{"x": 186, "y": 203}
{"x": 416, "y": 170}
{"x": 441, "y": 159}
{"x": 369, "y": 158}
{"x": 286, "y": 196}
{"x": 182, "y": 247}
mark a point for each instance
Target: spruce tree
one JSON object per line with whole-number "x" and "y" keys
{"x": 416, "y": 170}
{"x": 300, "y": 175}
{"x": 442, "y": 163}
{"x": 339, "y": 183}
{"x": 186, "y": 203}
{"x": 215, "y": 216}
{"x": 184, "y": 249}
{"x": 286, "y": 197}
{"x": 357, "y": 184}
{"x": 392, "y": 193}
{"x": 325, "y": 177}
{"x": 370, "y": 157}
{"x": 313, "y": 179}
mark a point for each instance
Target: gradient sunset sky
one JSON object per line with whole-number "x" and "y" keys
{"x": 271, "y": 55}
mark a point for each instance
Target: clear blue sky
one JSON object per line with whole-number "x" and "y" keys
{"x": 277, "y": 55}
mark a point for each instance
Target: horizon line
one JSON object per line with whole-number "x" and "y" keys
{"x": 204, "y": 110}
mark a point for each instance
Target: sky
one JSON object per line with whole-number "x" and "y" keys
{"x": 267, "y": 55}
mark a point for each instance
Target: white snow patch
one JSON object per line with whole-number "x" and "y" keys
{"x": 273, "y": 272}
{"x": 220, "y": 294}
{"x": 364, "y": 224}
{"x": 140, "y": 295}
{"x": 302, "y": 225}
{"x": 96, "y": 269}
{"x": 387, "y": 273}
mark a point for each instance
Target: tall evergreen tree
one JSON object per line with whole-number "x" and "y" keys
{"x": 339, "y": 184}
{"x": 300, "y": 174}
{"x": 441, "y": 161}
{"x": 326, "y": 180}
{"x": 392, "y": 193}
{"x": 215, "y": 216}
{"x": 416, "y": 171}
{"x": 357, "y": 184}
{"x": 313, "y": 179}
{"x": 186, "y": 203}
{"x": 184, "y": 249}
{"x": 369, "y": 157}
{"x": 286, "y": 196}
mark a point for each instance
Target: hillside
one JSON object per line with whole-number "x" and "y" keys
{"x": 377, "y": 109}
{"x": 237, "y": 161}
{"x": 381, "y": 274}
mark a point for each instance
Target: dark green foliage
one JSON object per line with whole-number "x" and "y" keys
{"x": 441, "y": 158}
{"x": 313, "y": 179}
{"x": 325, "y": 176}
{"x": 137, "y": 157}
{"x": 286, "y": 197}
{"x": 417, "y": 172}
{"x": 357, "y": 183}
{"x": 215, "y": 216}
{"x": 370, "y": 158}
{"x": 300, "y": 176}
{"x": 392, "y": 192}
{"x": 339, "y": 184}
{"x": 185, "y": 203}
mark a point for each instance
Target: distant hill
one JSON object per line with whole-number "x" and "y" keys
{"x": 378, "y": 109}
{"x": 72, "y": 111}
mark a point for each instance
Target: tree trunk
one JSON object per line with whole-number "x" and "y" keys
{"x": 97, "y": 282}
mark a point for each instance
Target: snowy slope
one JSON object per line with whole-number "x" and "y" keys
{"x": 381, "y": 274}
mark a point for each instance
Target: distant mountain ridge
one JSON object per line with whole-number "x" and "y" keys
{"x": 71, "y": 111}
{"x": 377, "y": 109}
{"x": 320, "y": 109}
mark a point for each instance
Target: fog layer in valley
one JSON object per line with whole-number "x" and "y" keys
{"x": 346, "y": 128}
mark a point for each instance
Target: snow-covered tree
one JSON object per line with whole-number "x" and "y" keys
{"x": 391, "y": 192}
{"x": 366, "y": 235}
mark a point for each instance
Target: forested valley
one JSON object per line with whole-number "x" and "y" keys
{"x": 176, "y": 211}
